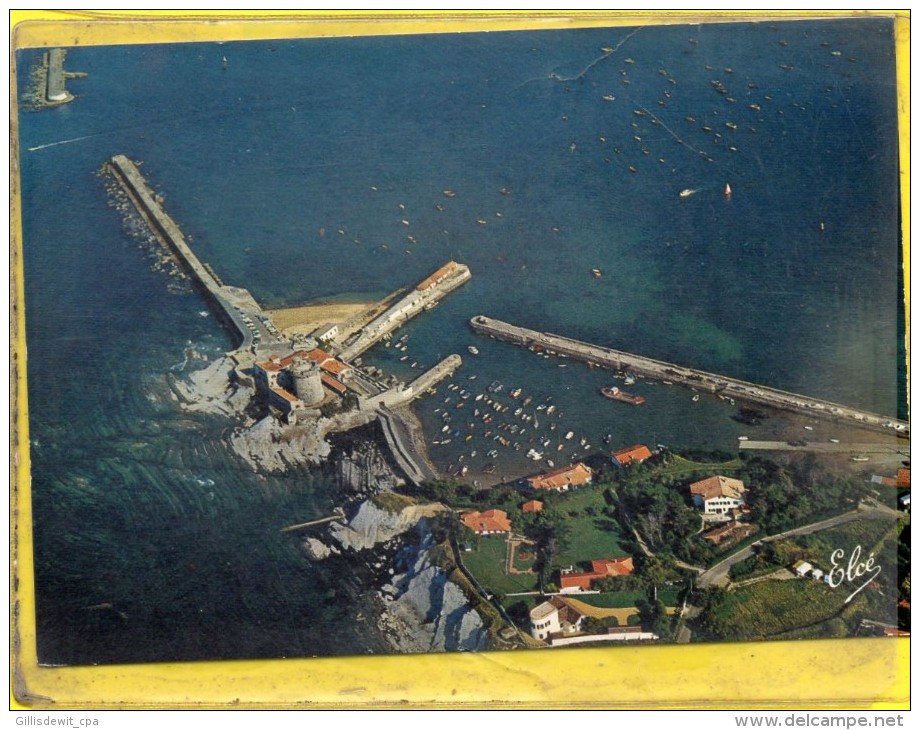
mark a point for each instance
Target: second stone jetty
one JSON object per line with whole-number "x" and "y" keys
{"x": 727, "y": 387}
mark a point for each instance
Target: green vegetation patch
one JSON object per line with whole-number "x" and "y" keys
{"x": 628, "y": 599}
{"x": 679, "y": 466}
{"x": 769, "y": 608}
{"x": 487, "y": 562}
{"x": 590, "y": 538}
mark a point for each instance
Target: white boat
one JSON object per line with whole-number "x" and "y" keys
{"x": 742, "y": 438}
{"x": 473, "y": 350}
{"x": 569, "y": 435}
{"x": 695, "y": 398}
{"x": 728, "y": 190}
{"x": 687, "y": 192}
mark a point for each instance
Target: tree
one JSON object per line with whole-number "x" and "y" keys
{"x": 592, "y": 625}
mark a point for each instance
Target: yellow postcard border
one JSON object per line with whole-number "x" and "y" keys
{"x": 852, "y": 673}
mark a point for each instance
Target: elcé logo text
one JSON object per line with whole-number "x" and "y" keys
{"x": 853, "y": 570}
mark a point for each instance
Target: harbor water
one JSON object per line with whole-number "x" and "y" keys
{"x": 350, "y": 167}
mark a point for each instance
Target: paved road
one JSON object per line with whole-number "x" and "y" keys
{"x": 820, "y": 446}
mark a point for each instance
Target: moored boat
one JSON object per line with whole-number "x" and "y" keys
{"x": 615, "y": 393}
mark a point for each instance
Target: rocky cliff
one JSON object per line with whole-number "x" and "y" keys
{"x": 374, "y": 524}
{"x": 423, "y": 611}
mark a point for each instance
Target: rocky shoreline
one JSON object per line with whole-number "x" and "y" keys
{"x": 385, "y": 541}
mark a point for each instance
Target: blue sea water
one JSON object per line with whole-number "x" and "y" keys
{"x": 295, "y": 165}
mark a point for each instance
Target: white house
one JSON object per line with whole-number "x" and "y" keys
{"x": 554, "y": 616}
{"x": 718, "y": 495}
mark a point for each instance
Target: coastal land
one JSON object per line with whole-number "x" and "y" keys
{"x": 626, "y": 543}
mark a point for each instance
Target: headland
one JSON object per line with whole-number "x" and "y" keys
{"x": 313, "y": 378}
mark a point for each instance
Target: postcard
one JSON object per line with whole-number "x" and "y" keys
{"x": 464, "y": 342}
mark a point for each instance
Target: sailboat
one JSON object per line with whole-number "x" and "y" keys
{"x": 728, "y": 190}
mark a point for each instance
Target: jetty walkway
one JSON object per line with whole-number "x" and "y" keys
{"x": 402, "y": 435}
{"x": 605, "y": 357}
{"x": 234, "y": 306}
{"x": 425, "y": 296}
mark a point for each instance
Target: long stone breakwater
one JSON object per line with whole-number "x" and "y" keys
{"x": 624, "y": 362}
{"x": 235, "y": 306}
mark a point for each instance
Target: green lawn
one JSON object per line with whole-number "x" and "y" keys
{"x": 590, "y": 538}
{"x": 487, "y": 563}
{"x": 580, "y": 499}
{"x": 627, "y": 599}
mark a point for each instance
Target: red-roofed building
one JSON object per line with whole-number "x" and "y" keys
{"x": 275, "y": 372}
{"x": 533, "y": 505}
{"x": 438, "y": 276}
{"x": 562, "y": 479}
{"x": 718, "y": 495}
{"x": 903, "y": 477}
{"x": 286, "y": 402}
{"x": 267, "y": 372}
{"x": 633, "y": 454}
{"x": 490, "y": 522}
{"x": 334, "y": 385}
{"x": 329, "y": 363}
{"x": 572, "y": 581}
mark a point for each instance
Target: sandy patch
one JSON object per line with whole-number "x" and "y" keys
{"x": 306, "y": 318}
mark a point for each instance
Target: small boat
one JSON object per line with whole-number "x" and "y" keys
{"x": 569, "y": 435}
{"x": 615, "y": 393}
{"x": 695, "y": 398}
{"x": 449, "y": 193}
{"x": 731, "y": 125}
{"x": 859, "y": 458}
{"x": 834, "y": 441}
{"x": 505, "y": 191}
{"x": 597, "y": 273}
{"x": 687, "y": 192}
{"x": 742, "y": 438}
{"x": 609, "y": 97}
{"x": 430, "y": 306}
{"x": 473, "y": 350}
{"x": 728, "y": 191}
